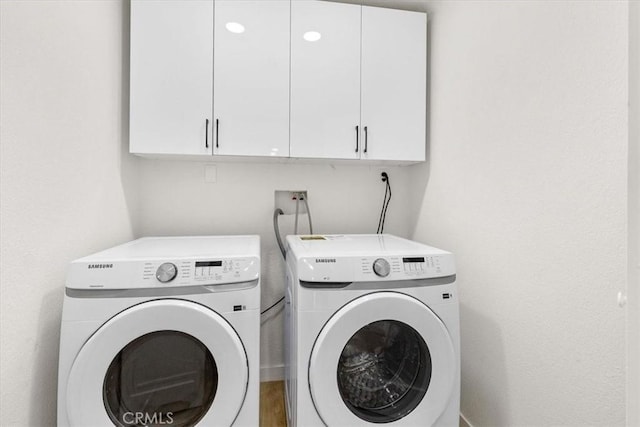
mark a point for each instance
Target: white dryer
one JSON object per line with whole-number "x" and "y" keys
{"x": 372, "y": 333}
{"x": 162, "y": 331}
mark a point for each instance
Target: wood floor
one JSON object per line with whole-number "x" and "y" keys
{"x": 272, "y": 412}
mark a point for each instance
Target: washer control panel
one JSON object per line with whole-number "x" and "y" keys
{"x": 418, "y": 265}
{"x": 366, "y": 258}
{"x": 412, "y": 267}
{"x": 376, "y": 267}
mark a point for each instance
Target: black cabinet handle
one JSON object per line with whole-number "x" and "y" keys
{"x": 206, "y": 133}
{"x": 366, "y": 139}
{"x": 217, "y": 137}
{"x": 357, "y": 138}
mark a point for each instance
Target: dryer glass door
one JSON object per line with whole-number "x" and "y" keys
{"x": 163, "y": 362}
{"x": 163, "y": 377}
{"x": 392, "y": 361}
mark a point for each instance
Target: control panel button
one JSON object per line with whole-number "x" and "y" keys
{"x": 381, "y": 267}
{"x": 166, "y": 272}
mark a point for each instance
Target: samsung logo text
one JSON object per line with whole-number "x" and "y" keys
{"x": 100, "y": 266}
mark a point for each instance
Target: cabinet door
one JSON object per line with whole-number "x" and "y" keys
{"x": 251, "y": 78}
{"x": 394, "y": 59}
{"x": 171, "y": 86}
{"x": 325, "y": 79}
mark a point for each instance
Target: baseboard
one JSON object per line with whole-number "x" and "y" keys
{"x": 271, "y": 373}
{"x": 464, "y": 422}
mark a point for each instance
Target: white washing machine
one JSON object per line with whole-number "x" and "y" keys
{"x": 162, "y": 331}
{"x": 372, "y": 333}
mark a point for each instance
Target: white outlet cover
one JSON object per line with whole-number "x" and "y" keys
{"x": 284, "y": 199}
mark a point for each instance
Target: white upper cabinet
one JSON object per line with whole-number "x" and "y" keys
{"x": 251, "y": 78}
{"x": 277, "y": 78}
{"x": 358, "y": 82}
{"x": 325, "y": 80}
{"x": 394, "y": 52}
{"x": 171, "y": 88}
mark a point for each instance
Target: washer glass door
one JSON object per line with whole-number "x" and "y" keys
{"x": 163, "y": 362}
{"x": 384, "y": 371}
{"x": 392, "y": 360}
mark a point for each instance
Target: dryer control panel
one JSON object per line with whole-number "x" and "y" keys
{"x": 163, "y": 273}
{"x": 169, "y": 262}
{"x": 200, "y": 272}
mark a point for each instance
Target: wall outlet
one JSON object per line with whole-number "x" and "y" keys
{"x": 287, "y": 199}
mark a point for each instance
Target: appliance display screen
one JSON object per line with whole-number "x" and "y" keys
{"x": 208, "y": 263}
{"x": 413, "y": 259}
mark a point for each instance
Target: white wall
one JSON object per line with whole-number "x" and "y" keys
{"x": 633, "y": 310}
{"x": 527, "y": 185}
{"x": 65, "y": 186}
{"x": 175, "y": 200}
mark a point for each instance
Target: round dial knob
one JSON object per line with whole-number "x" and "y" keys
{"x": 381, "y": 267}
{"x": 166, "y": 272}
